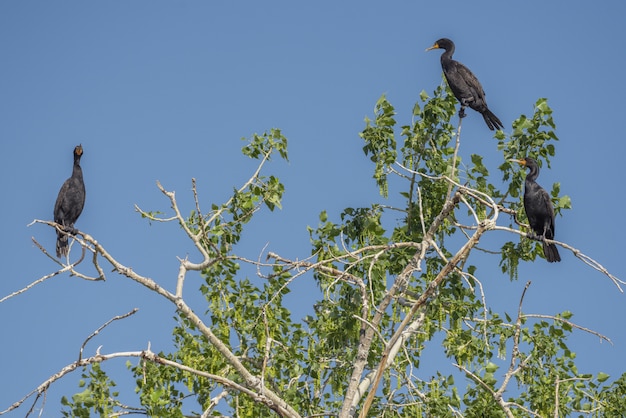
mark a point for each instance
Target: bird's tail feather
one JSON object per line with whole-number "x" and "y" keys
{"x": 62, "y": 247}
{"x": 492, "y": 120}
{"x": 551, "y": 252}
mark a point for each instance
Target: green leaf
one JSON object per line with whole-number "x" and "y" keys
{"x": 491, "y": 367}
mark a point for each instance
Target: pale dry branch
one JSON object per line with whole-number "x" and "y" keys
{"x": 64, "y": 269}
{"x": 84, "y": 247}
{"x": 357, "y": 386}
{"x": 151, "y": 217}
{"x": 496, "y": 396}
{"x": 267, "y": 348}
{"x": 180, "y": 278}
{"x": 304, "y": 267}
{"x": 195, "y": 238}
{"x": 36, "y": 282}
{"x": 214, "y": 401}
{"x": 456, "y": 412}
{"x": 96, "y": 332}
{"x": 579, "y": 254}
{"x": 319, "y": 266}
{"x": 194, "y": 189}
{"x": 571, "y": 324}
{"x": 146, "y": 355}
{"x": 247, "y": 184}
{"x": 372, "y": 327}
{"x": 406, "y": 334}
{"x": 422, "y": 223}
{"x": 461, "y": 188}
{"x": 422, "y": 300}
{"x": 513, "y": 369}
{"x": 483, "y": 299}
{"x": 556, "y": 391}
{"x": 476, "y": 219}
{"x": 454, "y": 156}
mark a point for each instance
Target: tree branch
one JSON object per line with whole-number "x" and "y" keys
{"x": 145, "y": 355}
{"x": 96, "y": 332}
{"x": 421, "y": 301}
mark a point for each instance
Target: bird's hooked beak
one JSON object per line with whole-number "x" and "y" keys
{"x": 435, "y": 46}
{"x": 522, "y": 162}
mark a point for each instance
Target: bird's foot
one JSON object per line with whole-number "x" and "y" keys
{"x": 462, "y": 112}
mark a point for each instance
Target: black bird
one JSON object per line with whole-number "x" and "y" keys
{"x": 70, "y": 203}
{"x": 539, "y": 210}
{"x": 464, "y": 84}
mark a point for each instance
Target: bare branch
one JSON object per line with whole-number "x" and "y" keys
{"x": 96, "y": 332}
{"x": 64, "y": 269}
{"x": 515, "y": 350}
{"x": 430, "y": 290}
{"x": 152, "y": 217}
{"x": 147, "y": 355}
{"x": 584, "y": 258}
{"x": 556, "y": 391}
{"x": 496, "y": 396}
{"x": 214, "y": 401}
{"x": 571, "y": 324}
{"x": 454, "y": 156}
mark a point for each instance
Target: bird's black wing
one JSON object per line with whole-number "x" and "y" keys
{"x": 475, "y": 89}
{"x": 60, "y": 207}
{"x": 548, "y": 209}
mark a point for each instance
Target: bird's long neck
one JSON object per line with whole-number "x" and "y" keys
{"x": 532, "y": 174}
{"x": 77, "y": 172}
{"x": 447, "y": 54}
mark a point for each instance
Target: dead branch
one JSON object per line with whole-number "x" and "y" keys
{"x": 145, "y": 355}
{"x": 579, "y": 254}
{"x": 571, "y": 324}
{"x": 96, "y": 332}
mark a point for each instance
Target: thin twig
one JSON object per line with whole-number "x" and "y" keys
{"x": 146, "y": 355}
{"x": 571, "y": 324}
{"x": 584, "y": 258}
{"x": 515, "y": 350}
{"x": 456, "y": 151}
{"x": 96, "y": 332}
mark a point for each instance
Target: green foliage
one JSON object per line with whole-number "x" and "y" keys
{"x": 380, "y": 142}
{"x": 358, "y": 258}
{"x": 96, "y": 397}
{"x": 263, "y": 146}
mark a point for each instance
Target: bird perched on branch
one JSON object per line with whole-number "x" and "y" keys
{"x": 539, "y": 210}
{"x": 464, "y": 84}
{"x": 70, "y": 203}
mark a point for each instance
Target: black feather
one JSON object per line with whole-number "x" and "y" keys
{"x": 70, "y": 203}
{"x": 464, "y": 85}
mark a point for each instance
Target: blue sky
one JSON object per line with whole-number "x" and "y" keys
{"x": 165, "y": 90}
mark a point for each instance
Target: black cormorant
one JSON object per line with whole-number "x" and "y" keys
{"x": 539, "y": 210}
{"x": 464, "y": 84}
{"x": 70, "y": 202}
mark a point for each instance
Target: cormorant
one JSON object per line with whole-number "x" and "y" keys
{"x": 70, "y": 202}
{"x": 464, "y": 84}
{"x": 539, "y": 210}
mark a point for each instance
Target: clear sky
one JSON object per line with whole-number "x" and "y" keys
{"x": 165, "y": 90}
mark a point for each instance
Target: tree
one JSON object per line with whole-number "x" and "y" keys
{"x": 389, "y": 288}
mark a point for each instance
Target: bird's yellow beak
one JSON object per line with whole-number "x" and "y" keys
{"x": 522, "y": 162}
{"x": 435, "y": 46}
